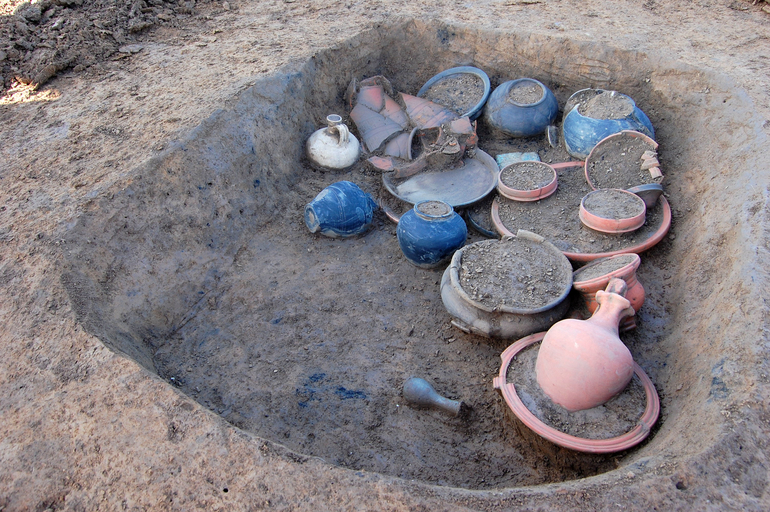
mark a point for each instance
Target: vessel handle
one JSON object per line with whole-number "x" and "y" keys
{"x": 343, "y": 133}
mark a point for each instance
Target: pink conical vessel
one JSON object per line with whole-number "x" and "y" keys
{"x": 583, "y": 363}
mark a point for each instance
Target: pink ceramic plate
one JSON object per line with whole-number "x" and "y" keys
{"x": 611, "y": 445}
{"x": 637, "y": 248}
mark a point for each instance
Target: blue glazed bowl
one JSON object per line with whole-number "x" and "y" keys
{"x": 581, "y": 133}
{"x": 430, "y": 233}
{"x": 340, "y": 210}
{"x": 520, "y": 119}
{"x": 474, "y": 111}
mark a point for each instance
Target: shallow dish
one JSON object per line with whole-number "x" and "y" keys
{"x": 474, "y": 111}
{"x": 460, "y": 186}
{"x": 611, "y": 445}
{"x": 615, "y": 162}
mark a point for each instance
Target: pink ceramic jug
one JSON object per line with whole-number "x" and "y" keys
{"x": 583, "y": 363}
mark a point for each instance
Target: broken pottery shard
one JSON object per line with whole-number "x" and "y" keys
{"x": 649, "y": 164}
{"x": 400, "y": 146}
{"x": 382, "y": 163}
{"x": 400, "y": 168}
{"x": 465, "y": 130}
{"x": 393, "y": 111}
{"x": 649, "y": 160}
{"x": 371, "y": 96}
{"x": 374, "y": 128}
{"x": 425, "y": 114}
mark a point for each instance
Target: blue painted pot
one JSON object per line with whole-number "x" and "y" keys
{"x": 474, "y": 111}
{"x": 520, "y": 119}
{"x": 582, "y": 133}
{"x": 341, "y": 210}
{"x": 430, "y": 233}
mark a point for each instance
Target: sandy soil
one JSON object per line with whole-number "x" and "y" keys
{"x": 96, "y": 110}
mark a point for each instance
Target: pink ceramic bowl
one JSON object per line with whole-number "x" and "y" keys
{"x": 532, "y": 194}
{"x": 595, "y": 204}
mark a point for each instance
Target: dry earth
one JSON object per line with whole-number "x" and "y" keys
{"x": 88, "y": 103}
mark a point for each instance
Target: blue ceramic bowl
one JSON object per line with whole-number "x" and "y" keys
{"x": 430, "y": 233}
{"x": 520, "y": 119}
{"x": 475, "y": 111}
{"x": 340, "y": 210}
{"x": 582, "y": 133}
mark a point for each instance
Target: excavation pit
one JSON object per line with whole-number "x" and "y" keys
{"x": 199, "y": 268}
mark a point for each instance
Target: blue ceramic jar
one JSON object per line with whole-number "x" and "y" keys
{"x": 430, "y": 233}
{"x": 582, "y": 133}
{"x": 516, "y": 119}
{"x": 341, "y": 210}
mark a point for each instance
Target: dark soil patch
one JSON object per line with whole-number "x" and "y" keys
{"x": 616, "y": 163}
{"x": 515, "y": 273}
{"x": 614, "y": 418}
{"x": 525, "y": 93}
{"x": 613, "y": 204}
{"x": 459, "y": 92}
{"x": 607, "y": 105}
{"x": 526, "y": 176}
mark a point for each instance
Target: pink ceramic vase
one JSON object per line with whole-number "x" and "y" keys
{"x": 583, "y": 363}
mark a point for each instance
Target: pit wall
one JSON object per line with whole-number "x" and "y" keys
{"x": 179, "y": 220}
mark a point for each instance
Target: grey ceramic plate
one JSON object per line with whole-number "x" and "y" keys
{"x": 464, "y": 185}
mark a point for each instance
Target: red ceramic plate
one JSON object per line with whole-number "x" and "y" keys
{"x": 611, "y": 445}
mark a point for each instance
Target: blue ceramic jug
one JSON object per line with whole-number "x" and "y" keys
{"x": 583, "y": 133}
{"x": 430, "y": 233}
{"x": 341, "y": 210}
{"x": 503, "y": 113}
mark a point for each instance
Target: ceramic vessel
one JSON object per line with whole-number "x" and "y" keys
{"x": 475, "y": 111}
{"x": 430, "y": 233}
{"x": 420, "y": 393}
{"x": 595, "y": 165}
{"x": 614, "y": 444}
{"x": 596, "y": 276}
{"x": 333, "y": 147}
{"x": 583, "y": 363}
{"x": 593, "y": 214}
{"x": 520, "y": 119}
{"x": 581, "y": 133}
{"x": 532, "y": 194}
{"x": 649, "y": 193}
{"x": 425, "y": 114}
{"x": 503, "y": 322}
{"x": 340, "y": 210}
{"x": 638, "y": 246}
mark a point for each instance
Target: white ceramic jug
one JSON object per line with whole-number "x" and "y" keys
{"x": 333, "y": 147}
